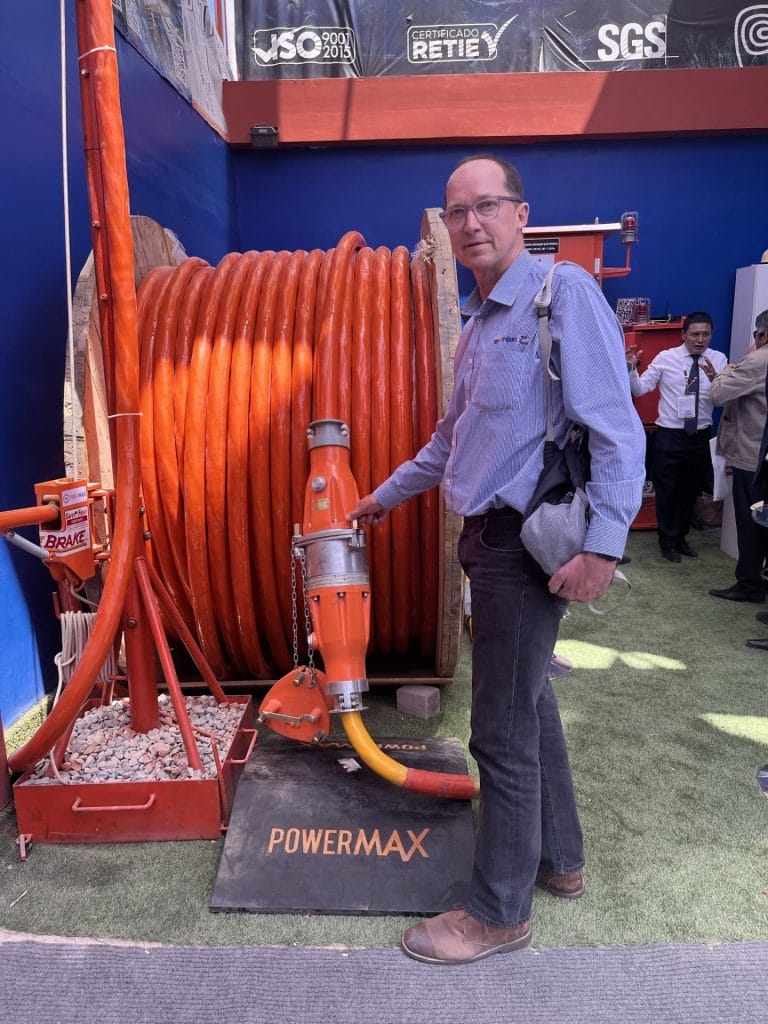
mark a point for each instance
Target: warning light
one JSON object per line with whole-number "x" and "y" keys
{"x": 629, "y": 227}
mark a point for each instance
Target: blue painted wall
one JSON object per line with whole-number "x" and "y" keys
{"x": 701, "y": 204}
{"x": 179, "y": 173}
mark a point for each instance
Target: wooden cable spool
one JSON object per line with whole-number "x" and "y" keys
{"x": 235, "y": 361}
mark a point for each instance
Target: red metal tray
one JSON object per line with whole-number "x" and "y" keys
{"x": 125, "y": 812}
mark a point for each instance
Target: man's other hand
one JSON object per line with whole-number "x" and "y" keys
{"x": 585, "y": 578}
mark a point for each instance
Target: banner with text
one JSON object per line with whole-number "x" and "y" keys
{"x": 364, "y": 38}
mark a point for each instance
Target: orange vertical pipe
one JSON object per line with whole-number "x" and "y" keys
{"x": 113, "y": 215}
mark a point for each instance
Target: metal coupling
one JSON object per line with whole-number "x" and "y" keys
{"x": 346, "y": 694}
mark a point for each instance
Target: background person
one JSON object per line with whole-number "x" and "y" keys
{"x": 682, "y": 464}
{"x": 487, "y": 452}
{"x": 741, "y": 390}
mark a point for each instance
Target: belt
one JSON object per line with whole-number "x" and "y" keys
{"x": 680, "y": 430}
{"x": 505, "y": 512}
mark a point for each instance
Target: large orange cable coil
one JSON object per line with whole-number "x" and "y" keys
{"x": 236, "y": 361}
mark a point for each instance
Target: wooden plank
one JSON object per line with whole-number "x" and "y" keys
{"x": 444, "y": 289}
{"x": 153, "y": 246}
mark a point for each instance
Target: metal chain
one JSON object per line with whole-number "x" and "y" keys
{"x": 308, "y": 624}
{"x": 294, "y": 606}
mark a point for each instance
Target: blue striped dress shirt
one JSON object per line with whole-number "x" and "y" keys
{"x": 487, "y": 450}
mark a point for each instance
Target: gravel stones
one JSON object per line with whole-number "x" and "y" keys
{"x": 104, "y": 748}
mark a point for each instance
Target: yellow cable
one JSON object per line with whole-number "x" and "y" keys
{"x": 364, "y": 745}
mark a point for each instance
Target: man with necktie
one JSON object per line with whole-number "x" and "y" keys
{"x": 682, "y": 465}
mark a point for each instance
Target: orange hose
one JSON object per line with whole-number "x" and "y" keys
{"x": 453, "y": 787}
{"x": 185, "y": 340}
{"x": 343, "y": 345}
{"x": 280, "y": 438}
{"x": 114, "y": 215}
{"x": 260, "y": 490}
{"x": 301, "y": 379}
{"x": 360, "y": 347}
{"x": 405, "y": 565}
{"x": 238, "y": 519}
{"x": 381, "y": 537}
{"x": 164, "y": 435}
{"x": 216, "y": 459}
{"x": 195, "y": 517}
{"x": 158, "y": 322}
{"x": 426, "y": 417}
{"x": 327, "y": 400}
{"x": 260, "y": 344}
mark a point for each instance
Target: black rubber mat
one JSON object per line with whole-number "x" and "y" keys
{"x": 307, "y": 834}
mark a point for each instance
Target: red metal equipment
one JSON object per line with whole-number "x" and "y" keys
{"x": 582, "y": 244}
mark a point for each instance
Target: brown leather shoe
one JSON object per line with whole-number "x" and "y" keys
{"x": 458, "y": 938}
{"x": 569, "y": 886}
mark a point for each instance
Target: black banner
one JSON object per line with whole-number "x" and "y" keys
{"x": 365, "y": 38}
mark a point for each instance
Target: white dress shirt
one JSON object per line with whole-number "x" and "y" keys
{"x": 670, "y": 371}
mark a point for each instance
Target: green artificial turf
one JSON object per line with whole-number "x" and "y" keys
{"x": 665, "y": 714}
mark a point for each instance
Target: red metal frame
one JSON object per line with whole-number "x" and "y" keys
{"x": 137, "y": 811}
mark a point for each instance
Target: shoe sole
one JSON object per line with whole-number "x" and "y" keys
{"x": 560, "y": 893}
{"x": 504, "y": 947}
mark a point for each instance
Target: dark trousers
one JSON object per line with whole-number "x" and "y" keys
{"x": 682, "y": 469}
{"x": 751, "y": 538}
{"x": 527, "y": 815}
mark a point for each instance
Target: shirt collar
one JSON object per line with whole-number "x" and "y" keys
{"x": 506, "y": 289}
{"x": 689, "y": 355}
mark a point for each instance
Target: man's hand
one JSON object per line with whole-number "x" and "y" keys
{"x": 708, "y": 368}
{"x": 367, "y": 510}
{"x": 585, "y": 578}
{"x": 633, "y": 357}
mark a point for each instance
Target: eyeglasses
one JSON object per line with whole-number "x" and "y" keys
{"x": 486, "y": 208}
{"x": 757, "y": 334}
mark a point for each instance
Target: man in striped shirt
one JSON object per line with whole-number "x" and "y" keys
{"x": 487, "y": 453}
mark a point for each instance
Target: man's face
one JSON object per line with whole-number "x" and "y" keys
{"x": 697, "y": 338}
{"x": 761, "y": 338}
{"x": 486, "y": 247}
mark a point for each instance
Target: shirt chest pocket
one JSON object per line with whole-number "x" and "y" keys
{"x": 503, "y": 374}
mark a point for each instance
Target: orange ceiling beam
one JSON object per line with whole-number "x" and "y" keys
{"x": 500, "y": 108}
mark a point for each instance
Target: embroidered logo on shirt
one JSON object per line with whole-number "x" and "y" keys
{"x": 512, "y": 339}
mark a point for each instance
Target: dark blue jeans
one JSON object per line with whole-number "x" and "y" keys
{"x": 527, "y": 816}
{"x": 752, "y": 539}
